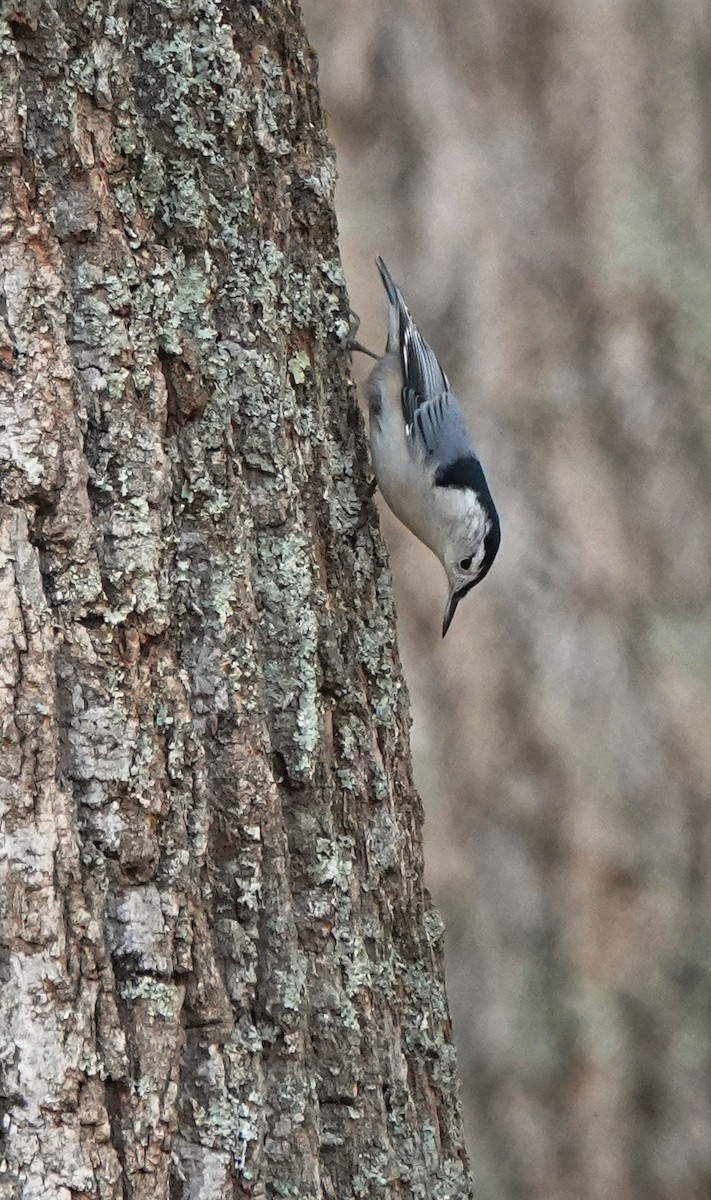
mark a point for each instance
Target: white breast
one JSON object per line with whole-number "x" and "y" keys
{"x": 405, "y": 482}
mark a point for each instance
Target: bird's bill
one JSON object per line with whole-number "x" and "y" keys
{"x": 450, "y": 609}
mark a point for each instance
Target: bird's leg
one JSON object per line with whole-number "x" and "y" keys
{"x": 351, "y": 342}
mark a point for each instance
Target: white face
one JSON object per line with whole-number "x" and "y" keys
{"x": 468, "y": 558}
{"x": 464, "y": 565}
{"x": 465, "y": 546}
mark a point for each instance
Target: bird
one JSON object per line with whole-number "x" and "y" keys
{"x": 423, "y": 459}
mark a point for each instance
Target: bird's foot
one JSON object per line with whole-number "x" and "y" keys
{"x": 351, "y": 341}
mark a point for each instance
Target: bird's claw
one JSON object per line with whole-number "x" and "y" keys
{"x": 351, "y": 340}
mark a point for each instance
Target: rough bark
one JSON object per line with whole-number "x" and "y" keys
{"x": 221, "y": 972}
{"x": 536, "y": 172}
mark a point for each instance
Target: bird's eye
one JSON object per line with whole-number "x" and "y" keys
{"x": 465, "y": 563}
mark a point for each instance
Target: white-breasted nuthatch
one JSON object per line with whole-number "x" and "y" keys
{"x": 423, "y": 459}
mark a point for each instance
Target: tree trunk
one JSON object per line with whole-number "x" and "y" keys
{"x": 221, "y": 972}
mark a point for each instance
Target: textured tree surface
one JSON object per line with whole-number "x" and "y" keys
{"x": 221, "y": 973}
{"x": 536, "y": 173}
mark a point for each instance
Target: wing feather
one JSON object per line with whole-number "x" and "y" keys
{"x": 432, "y": 416}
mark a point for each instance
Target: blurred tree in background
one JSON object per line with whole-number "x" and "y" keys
{"x": 537, "y": 177}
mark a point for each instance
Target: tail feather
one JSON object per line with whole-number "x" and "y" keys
{"x": 393, "y": 293}
{"x": 398, "y": 315}
{"x": 422, "y": 373}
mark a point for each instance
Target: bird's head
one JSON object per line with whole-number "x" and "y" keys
{"x": 471, "y": 548}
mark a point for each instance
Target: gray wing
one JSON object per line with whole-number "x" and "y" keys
{"x": 422, "y": 375}
{"x": 432, "y": 415}
{"x": 437, "y": 429}
{"x": 421, "y": 370}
